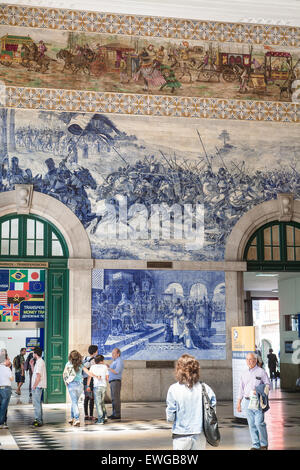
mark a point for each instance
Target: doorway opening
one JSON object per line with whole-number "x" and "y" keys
{"x": 273, "y": 264}
{"x": 34, "y": 293}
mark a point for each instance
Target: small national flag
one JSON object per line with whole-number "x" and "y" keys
{"x": 18, "y": 275}
{"x": 36, "y": 287}
{"x": 15, "y": 297}
{"x": 7, "y": 318}
{"x": 3, "y": 298}
{"x": 35, "y": 275}
{"x": 19, "y": 286}
{"x": 11, "y": 310}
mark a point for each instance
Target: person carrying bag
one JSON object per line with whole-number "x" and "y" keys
{"x": 188, "y": 407}
{"x": 210, "y": 420}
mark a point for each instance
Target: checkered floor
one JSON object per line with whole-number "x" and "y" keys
{"x": 143, "y": 426}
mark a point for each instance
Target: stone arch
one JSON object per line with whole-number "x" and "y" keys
{"x": 198, "y": 291}
{"x": 254, "y": 219}
{"x": 24, "y": 200}
{"x": 284, "y": 208}
{"x": 175, "y": 286}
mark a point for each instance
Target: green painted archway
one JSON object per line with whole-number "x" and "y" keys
{"x": 275, "y": 246}
{"x": 34, "y": 241}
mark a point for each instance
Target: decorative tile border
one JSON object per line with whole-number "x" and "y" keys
{"x": 150, "y": 105}
{"x": 148, "y": 26}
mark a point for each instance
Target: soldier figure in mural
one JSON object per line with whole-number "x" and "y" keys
{"x": 168, "y": 320}
{"x": 126, "y": 311}
{"x": 103, "y": 320}
{"x": 116, "y": 322}
{"x": 178, "y": 317}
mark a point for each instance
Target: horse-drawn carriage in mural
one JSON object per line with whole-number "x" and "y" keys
{"x": 12, "y": 50}
{"x": 24, "y": 51}
{"x": 272, "y": 68}
{"x": 226, "y": 64}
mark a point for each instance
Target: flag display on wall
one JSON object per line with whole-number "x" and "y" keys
{"x": 22, "y": 295}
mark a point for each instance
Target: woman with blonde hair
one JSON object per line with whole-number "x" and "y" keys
{"x": 73, "y": 379}
{"x": 184, "y": 405}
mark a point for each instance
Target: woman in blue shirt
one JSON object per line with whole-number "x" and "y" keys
{"x": 184, "y": 405}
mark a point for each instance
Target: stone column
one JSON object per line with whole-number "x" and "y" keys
{"x": 80, "y": 304}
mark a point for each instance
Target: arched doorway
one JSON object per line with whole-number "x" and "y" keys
{"x": 274, "y": 247}
{"x": 266, "y": 239}
{"x": 34, "y": 275}
{"x": 48, "y": 234}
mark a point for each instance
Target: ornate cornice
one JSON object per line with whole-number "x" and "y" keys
{"x": 150, "y": 105}
{"x": 148, "y": 26}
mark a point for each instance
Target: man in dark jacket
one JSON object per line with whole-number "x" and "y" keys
{"x": 272, "y": 363}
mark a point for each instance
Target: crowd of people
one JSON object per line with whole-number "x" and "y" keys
{"x": 91, "y": 375}
{"x": 87, "y": 374}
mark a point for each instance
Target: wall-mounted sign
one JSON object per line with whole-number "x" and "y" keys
{"x": 21, "y": 264}
{"x": 22, "y": 294}
{"x": 243, "y": 342}
{"x": 31, "y": 343}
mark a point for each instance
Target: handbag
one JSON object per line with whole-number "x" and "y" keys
{"x": 210, "y": 420}
{"x": 69, "y": 373}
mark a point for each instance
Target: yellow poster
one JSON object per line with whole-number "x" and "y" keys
{"x": 243, "y": 338}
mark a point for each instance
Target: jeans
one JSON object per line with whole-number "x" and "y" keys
{"x": 88, "y": 403}
{"x": 75, "y": 390}
{"x": 194, "y": 442}
{"x": 99, "y": 394}
{"x": 37, "y": 404}
{"x": 257, "y": 426}
{"x": 5, "y": 394}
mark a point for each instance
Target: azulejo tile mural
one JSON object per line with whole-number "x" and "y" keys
{"x": 150, "y": 315}
{"x": 181, "y": 67}
{"x": 150, "y": 187}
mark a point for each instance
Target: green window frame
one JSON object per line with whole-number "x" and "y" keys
{"x": 27, "y": 236}
{"x": 274, "y": 246}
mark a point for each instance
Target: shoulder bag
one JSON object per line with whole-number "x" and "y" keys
{"x": 69, "y": 373}
{"x": 210, "y": 420}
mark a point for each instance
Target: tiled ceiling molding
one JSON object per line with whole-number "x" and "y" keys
{"x": 256, "y": 11}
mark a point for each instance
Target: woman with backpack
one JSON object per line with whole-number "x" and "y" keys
{"x": 73, "y": 379}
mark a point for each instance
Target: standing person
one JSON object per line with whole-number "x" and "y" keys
{"x": 73, "y": 379}
{"x": 28, "y": 367}
{"x": 184, "y": 405}
{"x": 252, "y": 378}
{"x": 39, "y": 383}
{"x": 100, "y": 384}
{"x": 18, "y": 364}
{"x": 6, "y": 379}
{"x": 88, "y": 403}
{"x": 272, "y": 363}
{"x": 115, "y": 382}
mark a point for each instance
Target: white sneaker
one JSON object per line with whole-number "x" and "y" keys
{"x": 70, "y": 421}
{"x": 76, "y": 422}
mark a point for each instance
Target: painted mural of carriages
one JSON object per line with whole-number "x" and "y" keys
{"x": 24, "y": 51}
{"x": 278, "y": 69}
{"x": 12, "y": 49}
{"x": 99, "y": 59}
{"x": 228, "y": 64}
{"x": 274, "y": 68}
